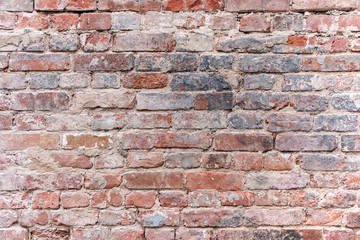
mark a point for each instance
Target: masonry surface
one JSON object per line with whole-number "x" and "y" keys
{"x": 179, "y": 119}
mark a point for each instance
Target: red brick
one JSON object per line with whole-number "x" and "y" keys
{"x": 352, "y": 219}
{"x": 127, "y": 233}
{"x": 272, "y": 198}
{"x": 71, "y": 160}
{"x": 145, "y": 80}
{"x": 318, "y": 217}
{"x": 216, "y": 160}
{"x": 154, "y": 180}
{"x": 36, "y": 21}
{"x": 143, "y": 199}
{"x": 74, "y": 200}
{"x": 132, "y": 5}
{"x": 215, "y": 180}
{"x": 276, "y": 180}
{"x": 87, "y": 141}
{"x": 203, "y": 198}
{"x": 17, "y": 141}
{"x": 212, "y": 218}
{"x": 320, "y": 23}
{"x": 145, "y": 159}
{"x": 39, "y": 62}
{"x": 29, "y": 218}
{"x": 236, "y": 198}
{"x": 275, "y": 161}
{"x": 332, "y": 44}
{"x": 247, "y": 161}
{"x": 16, "y": 200}
{"x": 46, "y": 200}
{"x": 64, "y": 22}
{"x": 7, "y": 21}
{"x": 115, "y": 198}
{"x": 325, "y": 5}
{"x": 15, "y": 234}
{"x": 95, "y": 21}
{"x": 305, "y": 234}
{"x": 243, "y": 141}
{"x": 173, "y": 198}
{"x": 324, "y": 180}
{"x": 193, "y": 5}
{"x": 149, "y": 120}
{"x": 71, "y": 5}
{"x": 255, "y": 23}
{"x": 100, "y": 200}
{"x": 102, "y": 180}
{"x": 191, "y": 233}
{"x": 183, "y": 140}
{"x": 104, "y": 62}
{"x": 30, "y": 122}
{"x": 304, "y": 199}
{"x": 143, "y": 140}
{"x": 159, "y": 218}
{"x": 342, "y": 63}
{"x": 95, "y": 42}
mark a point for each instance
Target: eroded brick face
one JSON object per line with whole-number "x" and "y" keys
{"x": 179, "y": 120}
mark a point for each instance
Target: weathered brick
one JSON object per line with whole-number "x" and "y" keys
{"x": 215, "y": 180}
{"x": 44, "y": 81}
{"x": 17, "y": 6}
{"x": 49, "y": 5}
{"x": 199, "y": 120}
{"x": 71, "y": 160}
{"x": 15, "y": 200}
{"x": 273, "y": 217}
{"x": 269, "y": 63}
{"x": 104, "y": 100}
{"x": 8, "y": 182}
{"x": 73, "y": 141}
{"x": 15, "y": 233}
{"x": 288, "y": 23}
{"x": 320, "y": 23}
{"x": 200, "y": 139}
{"x": 7, "y": 21}
{"x": 182, "y": 5}
{"x": 145, "y": 159}
{"x": 216, "y": 160}
{"x": 19, "y": 141}
{"x": 351, "y": 181}
{"x": 29, "y": 218}
{"x": 66, "y": 122}
{"x": 189, "y": 20}
{"x": 104, "y": 62}
{"x": 260, "y": 81}
{"x": 166, "y": 62}
{"x": 126, "y": 21}
{"x": 350, "y": 143}
{"x": 145, "y": 80}
{"x": 203, "y": 198}
{"x": 282, "y": 122}
{"x": 189, "y": 233}
{"x": 257, "y": 5}
{"x": 194, "y": 42}
{"x": 332, "y": 44}
{"x": 107, "y": 121}
{"x": 337, "y": 123}
{"x": 302, "y": 82}
{"x": 5, "y": 121}
{"x": 8, "y": 218}
{"x": 149, "y": 120}
{"x": 113, "y": 218}
{"x": 243, "y": 141}
{"x": 223, "y": 22}
{"x": 39, "y": 62}
{"x": 64, "y": 42}
{"x": 338, "y": 234}
{"x": 138, "y": 140}
{"x": 313, "y": 5}
{"x": 245, "y": 120}
{"x": 75, "y": 217}
{"x": 113, "y": 5}
{"x": 109, "y": 161}
{"x": 159, "y": 218}
{"x": 183, "y": 160}
{"x": 37, "y": 21}
{"x": 247, "y": 161}
{"x": 102, "y": 181}
{"x": 326, "y": 217}
{"x": 198, "y": 82}
{"x": 275, "y": 161}
{"x": 100, "y": 233}
{"x": 306, "y": 142}
{"x": 232, "y": 198}
{"x": 144, "y": 42}
{"x": 255, "y": 23}
{"x": 165, "y": 234}
{"x": 154, "y": 180}
{"x": 105, "y": 80}
{"x": 95, "y": 42}
{"x": 214, "y": 101}
{"x": 258, "y": 100}
{"x": 25, "y": 40}
{"x": 164, "y": 101}
{"x": 43, "y": 200}
{"x": 155, "y": 20}
{"x": 309, "y": 102}
{"x": 212, "y": 63}
{"x": 74, "y": 200}
{"x": 304, "y": 199}
{"x": 349, "y": 23}
{"x": 323, "y": 162}
{"x": 64, "y": 22}
{"x": 274, "y": 180}
{"x": 74, "y": 80}
{"x": 338, "y": 63}
{"x": 338, "y": 200}
{"x": 345, "y": 102}
{"x": 324, "y": 180}
{"x": 127, "y": 233}
{"x": 212, "y": 218}
{"x": 95, "y": 21}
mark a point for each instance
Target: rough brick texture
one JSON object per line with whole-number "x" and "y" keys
{"x": 179, "y": 119}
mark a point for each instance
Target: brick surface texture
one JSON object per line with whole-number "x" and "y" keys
{"x": 179, "y": 119}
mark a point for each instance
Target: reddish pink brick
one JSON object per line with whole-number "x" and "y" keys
{"x": 87, "y": 141}
{"x": 347, "y": 234}
{"x": 36, "y": 21}
{"x": 113, "y": 218}
{"x": 257, "y": 5}
{"x": 14, "y": 233}
{"x": 183, "y": 140}
{"x": 39, "y": 62}
{"x": 29, "y": 218}
{"x": 223, "y": 22}
{"x": 5, "y": 121}
{"x": 255, "y": 23}
{"x": 95, "y": 42}
{"x": 159, "y": 218}
{"x": 64, "y": 22}
{"x": 145, "y": 159}
{"x": 304, "y": 199}
{"x": 318, "y": 217}
{"x": 8, "y": 218}
{"x": 27, "y": 122}
{"x": 144, "y": 140}
{"x": 351, "y": 181}
{"x": 212, "y": 217}
{"x": 7, "y": 21}
{"x": 273, "y": 217}
{"x": 71, "y": 5}
{"x": 203, "y": 198}
{"x": 132, "y": 5}
{"x": 17, "y": 141}
{"x": 320, "y": 23}
{"x": 95, "y": 21}
{"x": 247, "y": 161}
{"x": 173, "y": 198}
{"x": 215, "y": 180}
{"x": 243, "y": 141}
{"x": 127, "y": 233}
{"x": 74, "y": 200}
{"x": 100, "y": 200}
{"x": 16, "y": 200}
{"x": 161, "y": 233}
{"x": 46, "y": 200}
{"x": 102, "y": 180}
{"x": 154, "y": 180}
{"x": 104, "y": 62}
{"x": 143, "y": 199}
{"x": 71, "y": 160}
{"x": 325, "y": 5}
{"x": 75, "y": 217}
{"x": 349, "y": 23}
{"x": 234, "y": 198}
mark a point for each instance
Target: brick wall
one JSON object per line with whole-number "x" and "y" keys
{"x": 179, "y": 119}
